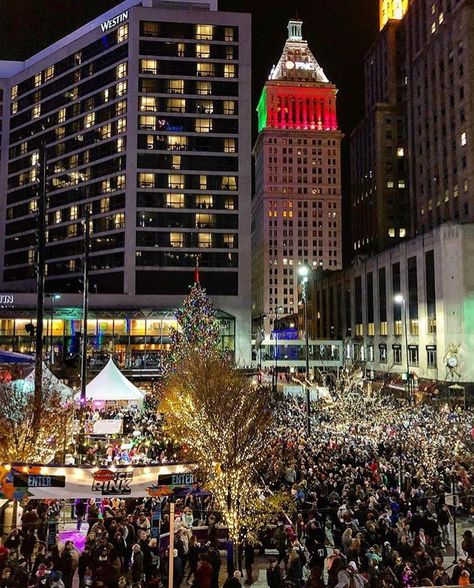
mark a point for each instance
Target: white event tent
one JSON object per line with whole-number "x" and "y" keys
{"x": 110, "y": 385}
{"x": 49, "y": 381}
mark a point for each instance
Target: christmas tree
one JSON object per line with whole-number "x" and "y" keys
{"x": 198, "y": 327}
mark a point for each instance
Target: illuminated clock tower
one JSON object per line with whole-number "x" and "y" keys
{"x": 296, "y": 212}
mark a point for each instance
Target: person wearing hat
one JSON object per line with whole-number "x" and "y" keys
{"x": 350, "y": 577}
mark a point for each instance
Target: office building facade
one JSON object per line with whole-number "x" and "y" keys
{"x": 296, "y": 209}
{"x": 143, "y": 114}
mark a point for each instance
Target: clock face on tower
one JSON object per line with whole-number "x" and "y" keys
{"x": 452, "y": 361}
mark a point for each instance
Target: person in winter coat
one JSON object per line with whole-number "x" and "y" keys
{"x": 350, "y": 577}
{"x": 137, "y": 563}
{"x": 204, "y": 572}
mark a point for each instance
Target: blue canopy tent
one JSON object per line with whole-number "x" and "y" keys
{"x": 14, "y": 357}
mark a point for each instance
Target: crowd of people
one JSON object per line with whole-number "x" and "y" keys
{"x": 371, "y": 488}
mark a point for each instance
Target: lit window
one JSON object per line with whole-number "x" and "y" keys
{"x": 149, "y": 66}
{"x": 121, "y": 89}
{"x": 229, "y": 183}
{"x": 204, "y": 201}
{"x": 180, "y": 49}
{"x": 176, "y": 142}
{"x": 106, "y": 95}
{"x": 433, "y": 27}
{"x": 391, "y": 232}
{"x": 176, "y": 161}
{"x": 121, "y": 107}
{"x": 229, "y": 53}
{"x": 205, "y": 106}
{"x": 176, "y": 86}
{"x": 121, "y": 182}
{"x": 203, "y": 182}
{"x": 147, "y": 103}
{"x": 36, "y": 112}
{"x": 37, "y": 81}
{"x": 205, "y": 69}
{"x": 228, "y": 34}
{"x": 122, "y": 125}
{"x": 176, "y": 105}
{"x": 203, "y": 51}
{"x": 203, "y": 88}
{"x": 176, "y": 181}
{"x": 403, "y": 233}
{"x": 440, "y": 18}
{"x": 229, "y": 107}
{"x": 121, "y": 70}
{"x": 106, "y": 131}
{"x": 120, "y": 144}
{"x": 14, "y": 92}
{"x": 122, "y": 33}
{"x": 119, "y": 220}
{"x": 104, "y": 204}
{"x": 390, "y": 184}
{"x": 204, "y": 32}
{"x": 147, "y": 123}
{"x": 62, "y": 115}
{"x": 175, "y": 200}
{"x": 400, "y": 152}
{"x": 57, "y": 217}
{"x": 73, "y": 213}
{"x": 14, "y": 107}
{"x": 176, "y": 239}
{"x": 230, "y": 70}
{"x": 205, "y": 240}
{"x": 463, "y": 138}
{"x": 48, "y": 73}
{"x": 203, "y": 125}
{"x": 89, "y": 120}
{"x": 401, "y": 183}
{"x": 146, "y": 180}
{"x": 229, "y": 241}
{"x": 72, "y": 231}
{"x": 229, "y": 146}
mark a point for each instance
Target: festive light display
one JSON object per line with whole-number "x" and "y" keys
{"x": 224, "y": 422}
{"x": 198, "y": 327}
{"x": 18, "y": 441}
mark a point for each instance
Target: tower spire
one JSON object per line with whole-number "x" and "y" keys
{"x": 295, "y": 32}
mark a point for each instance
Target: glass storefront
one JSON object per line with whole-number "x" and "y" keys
{"x": 136, "y": 339}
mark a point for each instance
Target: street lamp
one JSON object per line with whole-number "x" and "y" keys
{"x": 275, "y": 369}
{"x": 303, "y": 272}
{"x": 400, "y": 299}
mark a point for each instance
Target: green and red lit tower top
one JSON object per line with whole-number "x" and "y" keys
{"x": 297, "y": 94}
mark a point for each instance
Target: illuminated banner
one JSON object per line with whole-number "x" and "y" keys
{"x": 86, "y": 482}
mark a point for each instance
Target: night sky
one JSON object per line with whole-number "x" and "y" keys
{"x": 339, "y": 33}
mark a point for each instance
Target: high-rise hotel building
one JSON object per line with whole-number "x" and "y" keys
{"x": 296, "y": 209}
{"x": 144, "y": 116}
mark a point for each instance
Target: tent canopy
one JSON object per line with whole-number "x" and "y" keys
{"x": 49, "y": 381}
{"x": 109, "y": 385}
{"x": 14, "y": 357}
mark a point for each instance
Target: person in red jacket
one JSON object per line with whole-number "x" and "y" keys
{"x": 204, "y": 572}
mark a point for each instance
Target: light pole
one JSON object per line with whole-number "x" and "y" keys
{"x": 275, "y": 369}
{"x": 53, "y": 297}
{"x": 259, "y": 338}
{"x": 303, "y": 272}
{"x": 400, "y": 299}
